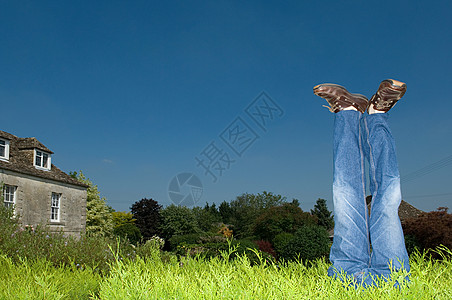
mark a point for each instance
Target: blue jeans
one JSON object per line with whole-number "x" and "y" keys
{"x": 364, "y": 245}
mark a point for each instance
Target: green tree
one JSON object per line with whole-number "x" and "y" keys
{"x": 325, "y": 218}
{"x": 124, "y": 226}
{"x": 225, "y": 212}
{"x": 148, "y": 217}
{"x": 178, "y": 220}
{"x": 207, "y": 217}
{"x": 99, "y": 220}
{"x": 286, "y": 218}
{"x": 246, "y": 208}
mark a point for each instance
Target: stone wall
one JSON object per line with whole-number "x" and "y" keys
{"x": 33, "y": 199}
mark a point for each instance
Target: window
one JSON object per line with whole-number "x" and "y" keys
{"x": 4, "y": 149}
{"x": 42, "y": 159}
{"x": 55, "y": 207}
{"x": 9, "y": 195}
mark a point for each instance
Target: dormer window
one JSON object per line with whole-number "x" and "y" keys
{"x": 4, "y": 149}
{"x": 42, "y": 160}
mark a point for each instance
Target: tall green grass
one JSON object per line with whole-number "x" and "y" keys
{"x": 40, "y": 279}
{"x": 219, "y": 278}
{"x": 167, "y": 277}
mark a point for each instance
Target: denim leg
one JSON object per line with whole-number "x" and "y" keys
{"x": 386, "y": 235}
{"x": 350, "y": 251}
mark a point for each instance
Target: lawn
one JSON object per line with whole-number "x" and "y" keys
{"x": 216, "y": 278}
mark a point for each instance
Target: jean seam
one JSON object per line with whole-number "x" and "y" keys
{"x": 366, "y": 213}
{"x": 372, "y": 171}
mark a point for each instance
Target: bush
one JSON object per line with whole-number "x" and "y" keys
{"x": 25, "y": 242}
{"x": 309, "y": 243}
{"x": 411, "y": 244}
{"x": 186, "y": 239}
{"x": 430, "y": 230}
{"x": 128, "y": 231}
{"x": 266, "y": 246}
{"x": 280, "y": 241}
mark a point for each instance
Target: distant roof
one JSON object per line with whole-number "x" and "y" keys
{"x": 19, "y": 160}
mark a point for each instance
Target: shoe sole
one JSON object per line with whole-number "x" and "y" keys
{"x": 338, "y": 86}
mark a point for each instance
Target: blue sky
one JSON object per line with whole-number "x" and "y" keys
{"x": 131, "y": 92}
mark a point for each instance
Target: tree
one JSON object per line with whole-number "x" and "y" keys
{"x": 124, "y": 226}
{"x": 286, "y": 218}
{"x": 225, "y": 212}
{"x": 247, "y": 207}
{"x": 207, "y": 217}
{"x": 178, "y": 220}
{"x": 325, "y": 218}
{"x": 148, "y": 217}
{"x": 99, "y": 220}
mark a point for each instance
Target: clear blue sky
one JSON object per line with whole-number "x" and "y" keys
{"x": 130, "y": 92}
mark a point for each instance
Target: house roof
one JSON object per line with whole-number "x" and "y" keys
{"x": 21, "y": 161}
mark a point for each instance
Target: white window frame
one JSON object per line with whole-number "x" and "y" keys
{"x": 9, "y": 196}
{"x": 39, "y": 154}
{"x": 55, "y": 207}
{"x": 4, "y": 145}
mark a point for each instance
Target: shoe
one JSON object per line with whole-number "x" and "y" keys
{"x": 389, "y": 92}
{"x": 339, "y": 98}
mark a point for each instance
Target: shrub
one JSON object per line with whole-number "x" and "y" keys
{"x": 266, "y": 246}
{"x": 309, "y": 243}
{"x": 411, "y": 244}
{"x": 280, "y": 241}
{"x": 431, "y": 229}
{"x": 185, "y": 239}
{"x": 128, "y": 231}
{"x": 25, "y": 242}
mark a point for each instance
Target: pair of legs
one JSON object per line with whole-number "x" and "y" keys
{"x": 365, "y": 246}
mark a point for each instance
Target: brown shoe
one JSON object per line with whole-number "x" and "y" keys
{"x": 389, "y": 92}
{"x": 339, "y": 98}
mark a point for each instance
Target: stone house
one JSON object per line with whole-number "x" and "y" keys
{"x": 39, "y": 192}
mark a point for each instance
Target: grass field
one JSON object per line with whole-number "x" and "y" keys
{"x": 217, "y": 278}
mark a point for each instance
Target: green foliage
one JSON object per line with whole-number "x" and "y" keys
{"x": 280, "y": 241}
{"x": 121, "y": 218}
{"x": 148, "y": 217}
{"x": 226, "y": 212}
{"x": 99, "y": 221}
{"x": 128, "y": 231}
{"x": 178, "y": 220}
{"x": 278, "y": 219}
{"x": 324, "y": 216}
{"x": 246, "y": 208}
{"x": 308, "y": 243}
{"x": 207, "y": 217}
{"x": 39, "y": 279}
{"x": 124, "y": 226}
{"x": 34, "y": 243}
{"x": 182, "y": 240}
{"x": 411, "y": 244}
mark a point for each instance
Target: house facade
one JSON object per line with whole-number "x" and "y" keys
{"x": 37, "y": 190}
